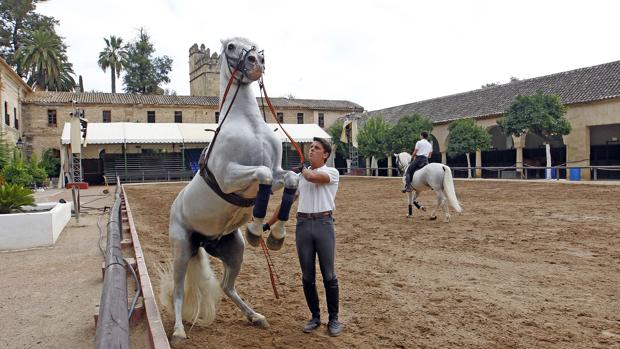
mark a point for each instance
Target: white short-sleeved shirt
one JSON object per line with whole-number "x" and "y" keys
{"x": 424, "y": 147}
{"x": 318, "y": 197}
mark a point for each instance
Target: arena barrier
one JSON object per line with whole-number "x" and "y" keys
{"x": 114, "y": 319}
{"x": 503, "y": 172}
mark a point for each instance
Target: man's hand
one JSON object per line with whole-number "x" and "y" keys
{"x": 301, "y": 167}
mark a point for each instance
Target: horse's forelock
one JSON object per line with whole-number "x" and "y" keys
{"x": 238, "y": 40}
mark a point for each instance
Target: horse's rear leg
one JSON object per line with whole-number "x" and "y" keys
{"x": 182, "y": 250}
{"x": 230, "y": 251}
{"x": 441, "y": 202}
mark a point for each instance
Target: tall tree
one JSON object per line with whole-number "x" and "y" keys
{"x": 144, "y": 72}
{"x": 406, "y": 132}
{"x": 113, "y": 56}
{"x": 373, "y": 138}
{"x": 466, "y": 137}
{"x": 43, "y": 57}
{"x": 540, "y": 114}
{"x": 335, "y": 131}
{"x": 18, "y": 20}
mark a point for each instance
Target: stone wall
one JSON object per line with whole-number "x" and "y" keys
{"x": 204, "y": 72}
{"x": 40, "y": 135}
{"x": 577, "y": 142}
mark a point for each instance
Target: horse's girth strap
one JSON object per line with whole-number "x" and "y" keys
{"x": 231, "y": 198}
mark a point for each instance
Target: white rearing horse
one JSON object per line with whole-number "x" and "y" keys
{"x": 437, "y": 177}
{"x": 241, "y": 169}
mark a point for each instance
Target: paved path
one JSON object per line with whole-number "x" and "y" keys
{"x": 48, "y": 295}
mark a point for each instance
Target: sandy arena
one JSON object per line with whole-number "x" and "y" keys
{"x": 526, "y": 265}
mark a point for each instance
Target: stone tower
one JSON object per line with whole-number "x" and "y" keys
{"x": 204, "y": 74}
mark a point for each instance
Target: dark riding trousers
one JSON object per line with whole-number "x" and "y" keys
{"x": 418, "y": 163}
{"x": 315, "y": 236}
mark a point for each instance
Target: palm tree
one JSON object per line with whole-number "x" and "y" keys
{"x": 113, "y": 56}
{"x": 43, "y": 56}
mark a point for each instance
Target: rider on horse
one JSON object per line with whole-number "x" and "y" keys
{"x": 421, "y": 152}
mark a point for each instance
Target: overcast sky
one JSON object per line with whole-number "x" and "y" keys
{"x": 375, "y": 53}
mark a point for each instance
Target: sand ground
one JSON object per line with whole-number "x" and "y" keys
{"x": 526, "y": 265}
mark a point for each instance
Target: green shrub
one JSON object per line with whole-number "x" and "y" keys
{"x": 38, "y": 173}
{"x": 17, "y": 173}
{"x": 12, "y": 197}
{"x": 51, "y": 163}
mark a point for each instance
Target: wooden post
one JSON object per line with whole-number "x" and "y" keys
{"x": 478, "y": 163}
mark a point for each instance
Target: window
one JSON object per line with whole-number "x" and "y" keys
{"x": 107, "y": 116}
{"x": 150, "y": 116}
{"x": 178, "y": 117}
{"x": 51, "y": 118}
{"x": 300, "y": 118}
{"x": 321, "y": 120}
{"x": 15, "y": 120}
{"x": 217, "y": 117}
{"x": 7, "y": 119}
{"x": 280, "y": 117}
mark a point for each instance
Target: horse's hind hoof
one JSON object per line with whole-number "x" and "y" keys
{"x": 178, "y": 341}
{"x": 274, "y": 244}
{"x": 259, "y": 321}
{"x": 423, "y": 208}
{"x": 433, "y": 218}
{"x": 409, "y": 216}
{"x": 252, "y": 239}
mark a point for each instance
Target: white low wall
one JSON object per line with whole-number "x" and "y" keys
{"x": 33, "y": 229}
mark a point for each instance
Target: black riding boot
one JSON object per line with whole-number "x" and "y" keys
{"x": 312, "y": 298}
{"x": 334, "y": 327}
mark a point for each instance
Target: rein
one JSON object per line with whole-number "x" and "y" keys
{"x": 261, "y": 84}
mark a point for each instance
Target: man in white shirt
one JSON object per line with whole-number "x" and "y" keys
{"x": 421, "y": 152}
{"x": 315, "y": 235}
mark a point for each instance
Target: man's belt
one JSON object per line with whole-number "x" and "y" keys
{"x": 314, "y": 215}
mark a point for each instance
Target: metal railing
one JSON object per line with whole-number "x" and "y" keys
{"x": 141, "y": 176}
{"x": 505, "y": 172}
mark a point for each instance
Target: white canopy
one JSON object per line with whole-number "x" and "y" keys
{"x": 141, "y": 133}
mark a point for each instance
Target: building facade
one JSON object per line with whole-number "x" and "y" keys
{"x": 45, "y": 113}
{"x": 12, "y": 91}
{"x": 592, "y": 98}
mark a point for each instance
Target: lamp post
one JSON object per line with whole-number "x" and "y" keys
{"x": 20, "y": 145}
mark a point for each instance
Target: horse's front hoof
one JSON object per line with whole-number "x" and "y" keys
{"x": 433, "y": 218}
{"x": 274, "y": 244}
{"x": 259, "y": 321}
{"x": 252, "y": 239}
{"x": 178, "y": 340}
{"x": 446, "y": 220}
{"x": 409, "y": 216}
{"x": 423, "y": 208}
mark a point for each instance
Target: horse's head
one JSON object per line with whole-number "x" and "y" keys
{"x": 242, "y": 55}
{"x": 402, "y": 161}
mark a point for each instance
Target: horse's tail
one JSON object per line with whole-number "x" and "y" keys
{"x": 448, "y": 188}
{"x": 202, "y": 290}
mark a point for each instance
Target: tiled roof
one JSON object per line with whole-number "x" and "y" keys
{"x": 44, "y": 97}
{"x": 41, "y": 97}
{"x": 583, "y": 85}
